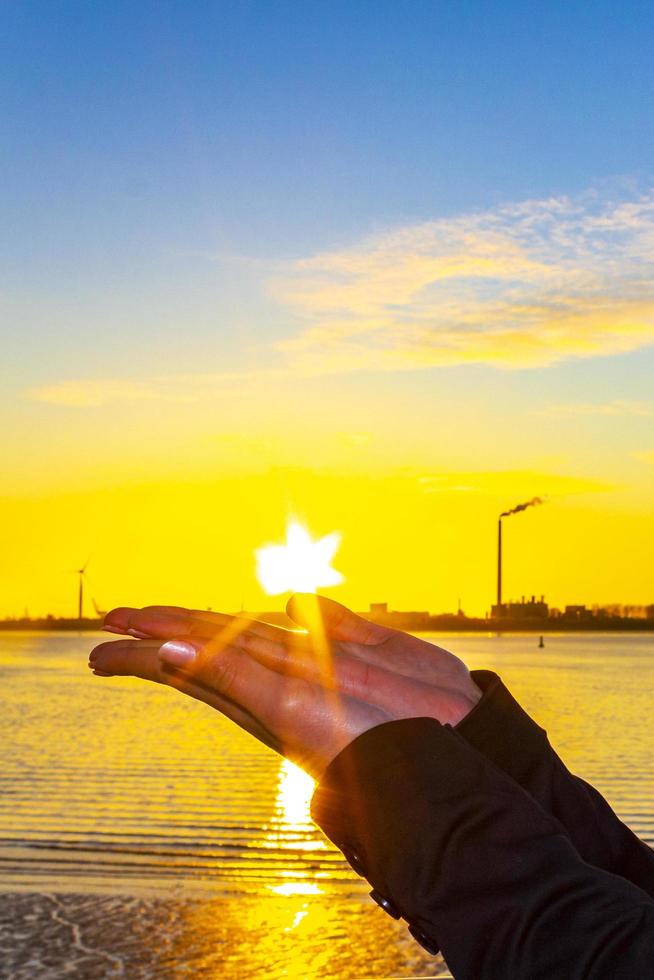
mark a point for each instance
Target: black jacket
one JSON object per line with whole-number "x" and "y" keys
{"x": 491, "y": 849}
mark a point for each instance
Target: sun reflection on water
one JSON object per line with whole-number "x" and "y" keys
{"x": 294, "y": 792}
{"x": 292, "y": 828}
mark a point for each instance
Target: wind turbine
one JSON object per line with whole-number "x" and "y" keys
{"x": 80, "y": 595}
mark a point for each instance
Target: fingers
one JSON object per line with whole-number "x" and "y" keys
{"x": 127, "y": 658}
{"x": 119, "y": 618}
{"x": 164, "y": 622}
{"x": 155, "y": 622}
{"x": 338, "y": 622}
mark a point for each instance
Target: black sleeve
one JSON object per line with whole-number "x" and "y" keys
{"x": 475, "y": 865}
{"x": 503, "y": 732}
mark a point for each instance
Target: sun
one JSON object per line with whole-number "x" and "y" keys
{"x": 299, "y": 565}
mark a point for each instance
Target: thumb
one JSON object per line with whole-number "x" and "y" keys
{"x": 339, "y": 623}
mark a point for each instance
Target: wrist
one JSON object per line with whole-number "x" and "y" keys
{"x": 469, "y": 699}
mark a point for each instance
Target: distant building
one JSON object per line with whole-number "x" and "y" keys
{"x": 525, "y": 609}
{"x": 578, "y": 614}
{"x": 378, "y": 608}
{"x": 380, "y": 613}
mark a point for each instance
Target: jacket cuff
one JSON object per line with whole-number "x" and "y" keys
{"x": 364, "y": 770}
{"x": 501, "y": 730}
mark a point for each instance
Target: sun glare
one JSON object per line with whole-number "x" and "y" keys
{"x": 294, "y": 794}
{"x": 299, "y": 565}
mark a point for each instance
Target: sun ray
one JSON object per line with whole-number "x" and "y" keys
{"x": 304, "y": 565}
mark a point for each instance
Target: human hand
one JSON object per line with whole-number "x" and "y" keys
{"x": 444, "y": 688}
{"x": 364, "y": 663}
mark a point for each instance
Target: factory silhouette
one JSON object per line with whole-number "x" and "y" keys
{"x": 524, "y": 614}
{"x": 529, "y": 614}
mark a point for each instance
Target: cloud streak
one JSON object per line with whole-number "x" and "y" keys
{"x": 520, "y": 286}
{"x": 182, "y": 388}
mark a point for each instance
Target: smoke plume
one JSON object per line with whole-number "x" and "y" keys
{"x": 516, "y": 510}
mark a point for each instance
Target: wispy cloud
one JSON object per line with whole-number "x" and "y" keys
{"x": 170, "y": 388}
{"x": 84, "y": 393}
{"x": 522, "y": 285}
{"x": 617, "y": 407}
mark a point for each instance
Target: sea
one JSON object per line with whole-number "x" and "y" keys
{"x": 144, "y": 836}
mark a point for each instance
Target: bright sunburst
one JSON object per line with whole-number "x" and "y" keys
{"x": 299, "y": 565}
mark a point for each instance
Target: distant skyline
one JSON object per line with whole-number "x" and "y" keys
{"x": 386, "y": 268}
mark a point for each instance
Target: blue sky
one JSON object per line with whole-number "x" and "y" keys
{"x": 144, "y": 143}
{"x": 275, "y": 127}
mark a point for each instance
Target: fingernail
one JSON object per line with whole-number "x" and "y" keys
{"x": 102, "y": 673}
{"x": 138, "y": 635}
{"x": 178, "y": 653}
{"x": 113, "y": 629}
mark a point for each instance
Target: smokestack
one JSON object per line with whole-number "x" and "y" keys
{"x": 507, "y": 513}
{"x": 499, "y": 563}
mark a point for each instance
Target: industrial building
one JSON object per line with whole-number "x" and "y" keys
{"x": 532, "y": 608}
